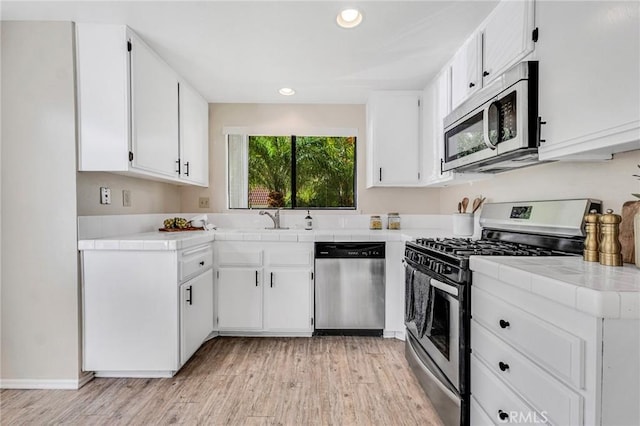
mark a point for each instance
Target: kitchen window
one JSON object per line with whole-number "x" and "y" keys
{"x": 295, "y": 172}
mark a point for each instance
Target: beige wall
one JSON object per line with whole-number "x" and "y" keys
{"x": 285, "y": 117}
{"x": 609, "y": 181}
{"x": 147, "y": 196}
{"x": 40, "y": 318}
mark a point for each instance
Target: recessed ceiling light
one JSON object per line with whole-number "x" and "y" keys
{"x": 349, "y": 18}
{"x": 287, "y": 91}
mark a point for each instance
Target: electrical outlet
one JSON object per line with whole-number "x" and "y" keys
{"x": 105, "y": 195}
{"x": 203, "y": 202}
{"x": 126, "y": 198}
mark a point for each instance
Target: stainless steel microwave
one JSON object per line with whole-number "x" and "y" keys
{"x": 497, "y": 129}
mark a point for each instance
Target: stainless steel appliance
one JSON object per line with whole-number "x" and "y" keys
{"x": 349, "y": 288}
{"x": 496, "y": 129}
{"x": 438, "y": 288}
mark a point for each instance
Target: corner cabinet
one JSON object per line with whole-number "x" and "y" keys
{"x": 265, "y": 289}
{"x": 136, "y": 116}
{"x": 393, "y": 146}
{"x": 589, "y": 99}
{"x": 145, "y": 313}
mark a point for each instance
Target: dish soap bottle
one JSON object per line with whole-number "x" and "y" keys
{"x": 308, "y": 222}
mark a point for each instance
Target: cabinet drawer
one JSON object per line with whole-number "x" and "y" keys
{"x": 240, "y": 258}
{"x": 554, "y": 349}
{"x": 194, "y": 261}
{"x": 496, "y": 399}
{"x": 477, "y": 414}
{"x": 289, "y": 258}
{"x": 560, "y": 404}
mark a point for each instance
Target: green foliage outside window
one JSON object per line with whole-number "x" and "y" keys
{"x": 324, "y": 170}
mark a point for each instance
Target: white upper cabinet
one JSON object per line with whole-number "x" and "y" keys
{"x": 435, "y": 108}
{"x": 154, "y": 118}
{"x": 507, "y": 37}
{"x": 504, "y": 39}
{"x": 128, "y": 110}
{"x": 589, "y": 55}
{"x": 194, "y": 128}
{"x": 393, "y": 146}
{"x": 466, "y": 70}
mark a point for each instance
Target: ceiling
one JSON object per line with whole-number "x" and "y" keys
{"x": 242, "y": 51}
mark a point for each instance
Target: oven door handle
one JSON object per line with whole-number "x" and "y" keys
{"x": 447, "y": 288}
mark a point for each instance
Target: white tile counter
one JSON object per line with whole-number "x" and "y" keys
{"x": 148, "y": 241}
{"x": 181, "y": 240}
{"x": 600, "y": 291}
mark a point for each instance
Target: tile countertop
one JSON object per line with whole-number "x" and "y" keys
{"x": 181, "y": 240}
{"x": 600, "y": 291}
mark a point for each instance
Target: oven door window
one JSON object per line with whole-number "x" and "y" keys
{"x": 440, "y": 331}
{"x": 464, "y": 139}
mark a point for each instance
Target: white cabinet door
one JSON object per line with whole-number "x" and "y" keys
{"x": 194, "y": 136}
{"x": 154, "y": 121}
{"x": 240, "y": 298}
{"x": 196, "y": 313}
{"x": 393, "y": 153}
{"x": 288, "y": 300}
{"x": 589, "y": 77}
{"x": 435, "y": 108}
{"x": 507, "y": 37}
{"x": 466, "y": 70}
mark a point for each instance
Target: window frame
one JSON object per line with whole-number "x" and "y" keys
{"x": 293, "y": 187}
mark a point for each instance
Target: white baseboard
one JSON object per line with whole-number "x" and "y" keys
{"x": 136, "y": 374}
{"x": 394, "y": 334}
{"x": 71, "y": 384}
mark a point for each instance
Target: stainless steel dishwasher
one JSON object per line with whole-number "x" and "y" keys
{"x": 350, "y": 286}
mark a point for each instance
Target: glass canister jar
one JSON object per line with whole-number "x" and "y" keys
{"x": 375, "y": 222}
{"x": 393, "y": 221}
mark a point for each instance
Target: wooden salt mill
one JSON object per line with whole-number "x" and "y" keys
{"x": 610, "y": 248}
{"x": 592, "y": 241}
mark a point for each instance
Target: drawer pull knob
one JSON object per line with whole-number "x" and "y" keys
{"x": 502, "y": 415}
{"x": 503, "y": 366}
{"x": 504, "y": 324}
{"x": 202, "y": 263}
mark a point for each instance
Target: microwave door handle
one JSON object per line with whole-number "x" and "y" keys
{"x": 485, "y": 126}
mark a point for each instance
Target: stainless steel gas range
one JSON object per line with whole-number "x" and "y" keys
{"x": 438, "y": 289}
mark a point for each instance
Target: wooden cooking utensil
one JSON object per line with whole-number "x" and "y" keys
{"x": 465, "y": 203}
{"x": 477, "y": 203}
{"x": 459, "y": 207}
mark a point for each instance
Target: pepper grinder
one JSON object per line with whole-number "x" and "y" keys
{"x": 591, "y": 242}
{"x": 610, "y": 248}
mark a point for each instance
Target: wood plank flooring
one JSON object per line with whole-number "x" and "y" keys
{"x": 247, "y": 381}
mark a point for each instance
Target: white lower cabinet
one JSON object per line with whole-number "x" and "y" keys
{"x": 287, "y": 300}
{"x": 239, "y": 298}
{"x": 145, "y": 312}
{"x": 196, "y": 313}
{"x": 535, "y": 361}
{"x": 265, "y": 288}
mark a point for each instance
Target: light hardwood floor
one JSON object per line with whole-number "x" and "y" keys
{"x": 248, "y": 381}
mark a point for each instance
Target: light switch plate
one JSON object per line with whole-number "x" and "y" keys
{"x": 105, "y": 195}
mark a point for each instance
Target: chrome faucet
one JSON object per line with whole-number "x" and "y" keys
{"x": 274, "y": 217}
